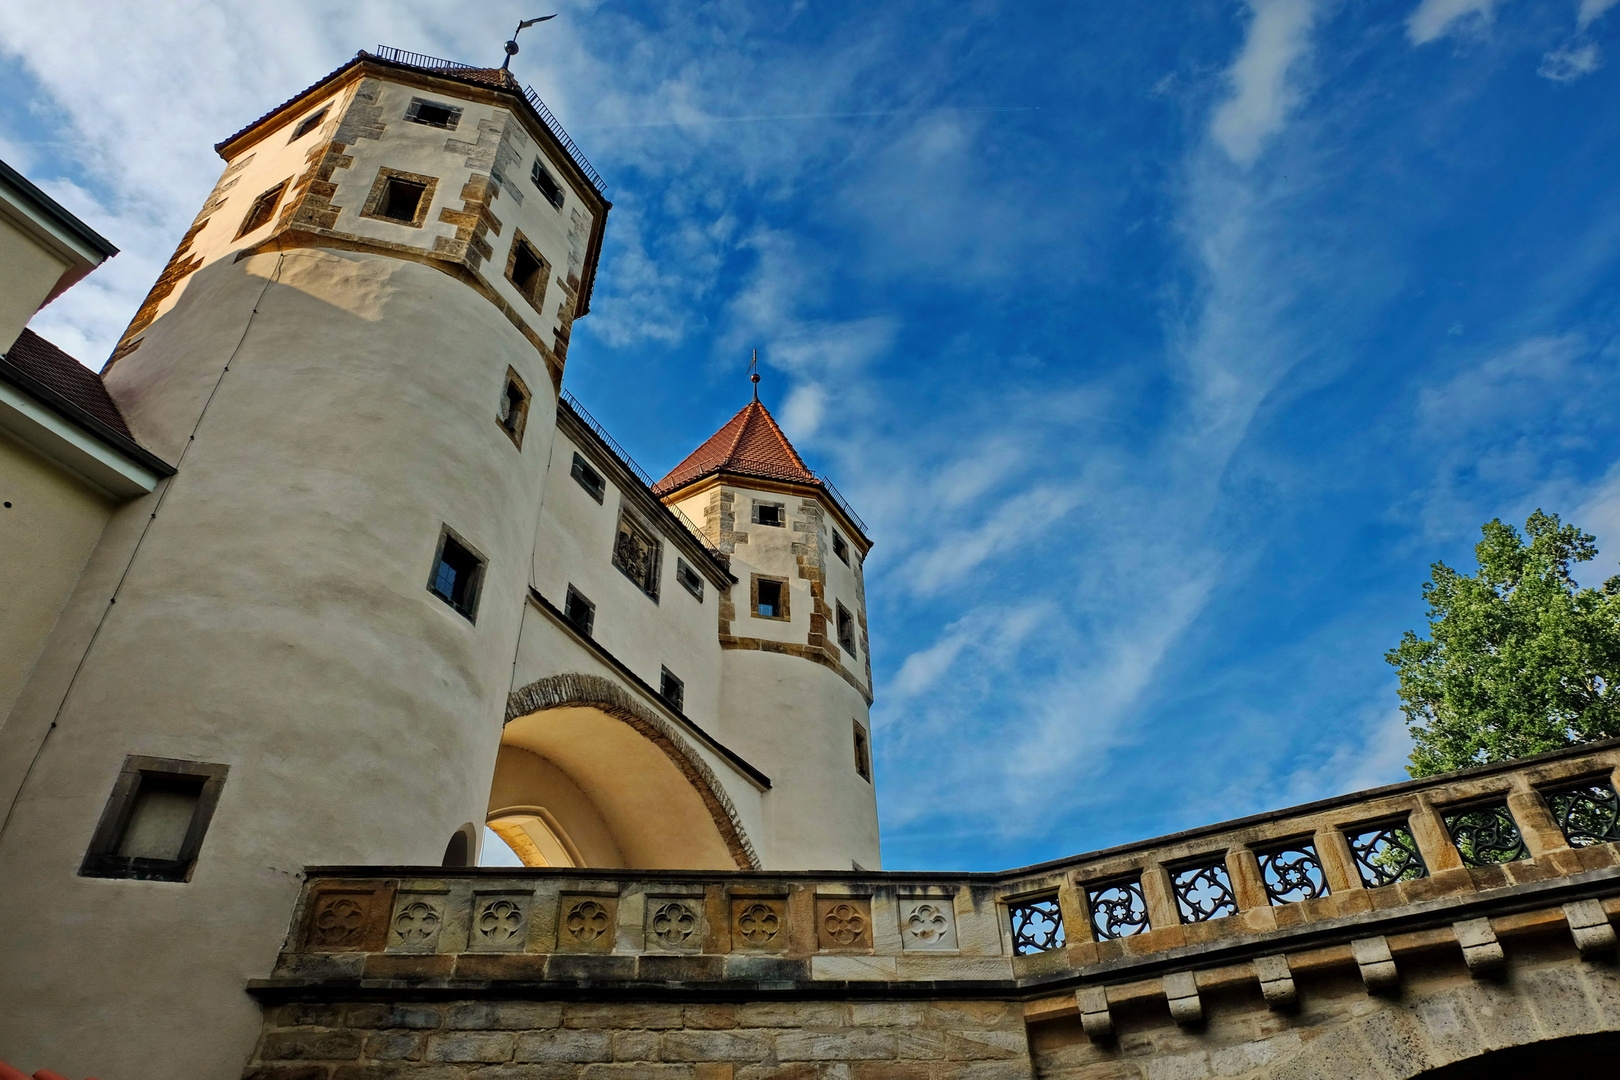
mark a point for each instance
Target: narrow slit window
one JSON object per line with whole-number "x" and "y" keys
{"x": 689, "y": 578}
{"x": 307, "y": 125}
{"x": 863, "y": 753}
{"x": 513, "y": 412}
{"x": 433, "y": 114}
{"x": 770, "y": 598}
{"x": 547, "y": 184}
{"x": 671, "y": 689}
{"x": 153, "y": 825}
{"x": 840, "y": 547}
{"x": 846, "y": 630}
{"x": 457, "y": 573}
{"x": 262, "y": 210}
{"x": 580, "y": 612}
{"x": 588, "y": 478}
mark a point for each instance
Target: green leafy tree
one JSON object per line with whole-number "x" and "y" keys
{"x": 1519, "y": 660}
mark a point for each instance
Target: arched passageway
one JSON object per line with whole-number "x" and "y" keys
{"x": 1556, "y": 1059}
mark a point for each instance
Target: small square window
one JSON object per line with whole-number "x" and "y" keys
{"x": 547, "y": 184}
{"x": 588, "y": 478}
{"x": 770, "y": 598}
{"x": 308, "y": 124}
{"x": 840, "y": 547}
{"x": 527, "y": 270}
{"x": 671, "y": 689}
{"x": 770, "y": 514}
{"x": 846, "y": 630}
{"x": 863, "y": 753}
{"x": 457, "y": 573}
{"x": 579, "y": 611}
{"x": 689, "y": 578}
{"x": 513, "y": 411}
{"x": 400, "y": 198}
{"x": 433, "y": 114}
{"x": 262, "y": 210}
{"x": 636, "y": 552}
{"x": 153, "y": 826}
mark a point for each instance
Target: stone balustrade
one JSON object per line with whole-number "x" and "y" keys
{"x": 1373, "y": 886}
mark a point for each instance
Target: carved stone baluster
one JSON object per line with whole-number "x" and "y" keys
{"x": 1541, "y": 833}
{"x": 1248, "y": 887}
{"x": 1338, "y": 864}
{"x": 1433, "y": 839}
{"x": 1160, "y": 897}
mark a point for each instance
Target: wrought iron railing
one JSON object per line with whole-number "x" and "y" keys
{"x": 547, "y": 117}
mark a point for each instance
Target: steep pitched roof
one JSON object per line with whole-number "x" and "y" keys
{"x": 751, "y": 444}
{"x": 76, "y": 385}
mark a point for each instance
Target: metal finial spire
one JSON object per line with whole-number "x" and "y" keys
{"x": 753, "y": 373}
{"x": 512, "y": 46}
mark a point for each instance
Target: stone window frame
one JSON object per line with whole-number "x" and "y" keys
{"x": 536, "y": 296}
{"x": 863, "y": 752}
{"x": 101, "y": 859}
{"x": 536, "y": 172}
{"x": 782, "y": 507}
{"x": 413, "y": 113}
{"x": 263, "y": 210}
{"x": 753, "y": 597}
{"x": 633, "y": 523}
{"x": 840, "y": 547}
{"x": 690, "y": 579}
{"x": 468, "y": 609}
{"x": 587, "y": 625}
{"x": 379, "y": 191}
{"x": 586, "y": 476}
{"x": 513, "y": 425}
{"x": 668, "y": 680}
{"x": 309, "y": 123}
{"x": 844, "y": 620}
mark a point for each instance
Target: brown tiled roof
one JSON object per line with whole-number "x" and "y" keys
{"x": 72, "y": 381}
{"x": 751, "y": 444}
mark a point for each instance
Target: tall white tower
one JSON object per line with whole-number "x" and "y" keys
{"x": 301, "y": 645}
{"x": 796, "y": 670}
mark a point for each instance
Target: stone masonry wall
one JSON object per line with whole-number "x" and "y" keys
{"x": 538, "y": 1040}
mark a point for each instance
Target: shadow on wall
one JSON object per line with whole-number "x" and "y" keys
{"x": 1577, "y": 1055}
{"x": 9, "y": 1073}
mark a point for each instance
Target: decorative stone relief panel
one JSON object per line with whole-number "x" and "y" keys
{"x": 500, "y": 922}
{"x": 674, "y": 924}
{"x": 927, "y": 924}
{"x": 345, "y": 920}
{"x": 587, "y": 923}
{"x": 418, "y": 918}
{"x": 758, "y": 923}
{"x": 844, "y": 923}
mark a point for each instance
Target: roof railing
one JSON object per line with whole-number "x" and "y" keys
{"x": 547, "y": 117}
{"x": 843, "y": 504}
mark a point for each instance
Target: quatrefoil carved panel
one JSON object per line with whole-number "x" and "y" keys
{"x": 416, "y": 923}
{"x": 674, "y": 925}
{"x": 587, "y": 923}
{"x": 844, "y": 924}
{"x": 341, "y": 921}
{"x": 757, "y": 923}
{"x": 499, "y": 924}
{"x": 928, "y": 924}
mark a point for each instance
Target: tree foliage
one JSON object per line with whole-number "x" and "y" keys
{"x": 1519, "y": 659}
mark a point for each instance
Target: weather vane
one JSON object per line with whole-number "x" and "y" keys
{"x": 753, "y": 373}
{"x": 512, "y": 46}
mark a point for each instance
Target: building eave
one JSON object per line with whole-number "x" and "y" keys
{"x": 715, "y": 477}
{"x": 39, "y": 417}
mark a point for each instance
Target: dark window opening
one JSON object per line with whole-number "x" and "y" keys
{"x": 547, "y": 184}
{"x": 770, "y": 514}
{"x": 401, "y": 200}
{"x": 671, "y": 689}
{"x": 433, "y": 114}
{"x": 840, "y": 547}
{"x": 846, "y": 630}
{"x": 770, "y": 598}
{"x": 579, "y": 611}
{"x": 636, "y": 553}
{"x": 588, "y": 478}
{"x": 152, "y": 828}
{"x": 513, "y": 411}
{"x": 863, "y": 753}
{"x": 527, "y": 270}
{"x": 456, "y": 574}
{"x": 307, "y": 125}
{"x": 689, "y": 578}
{"x": 262, "y": 210}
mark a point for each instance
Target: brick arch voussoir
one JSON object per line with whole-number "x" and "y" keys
{"x": 594, "y": 691}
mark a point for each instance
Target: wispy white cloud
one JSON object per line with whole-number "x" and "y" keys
{"x": 1262, "y": 93}
{"x": 1433, "y": 19}
{"x": 1591, "y": 11}
{"x": 1571, "y": 62}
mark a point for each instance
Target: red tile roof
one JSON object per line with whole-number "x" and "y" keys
{"x": 80, "y": 387}
{"x": 751, "y": 444}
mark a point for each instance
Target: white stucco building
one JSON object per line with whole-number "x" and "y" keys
{"x": 370, "y": 580}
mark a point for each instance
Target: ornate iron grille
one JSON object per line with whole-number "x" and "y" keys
{"x": 1292, "y": 873}
{"x": 1203, "y": 892}
{"x": 1588, "y": 814}
{"x": 1486, "y": 835}
{"x": 1037, "y": 925}
{"x": 1386, "y": 854}
{"x": 1117, "y": 910}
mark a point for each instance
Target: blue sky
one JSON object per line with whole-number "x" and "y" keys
{"x": 1163, "y": 345}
